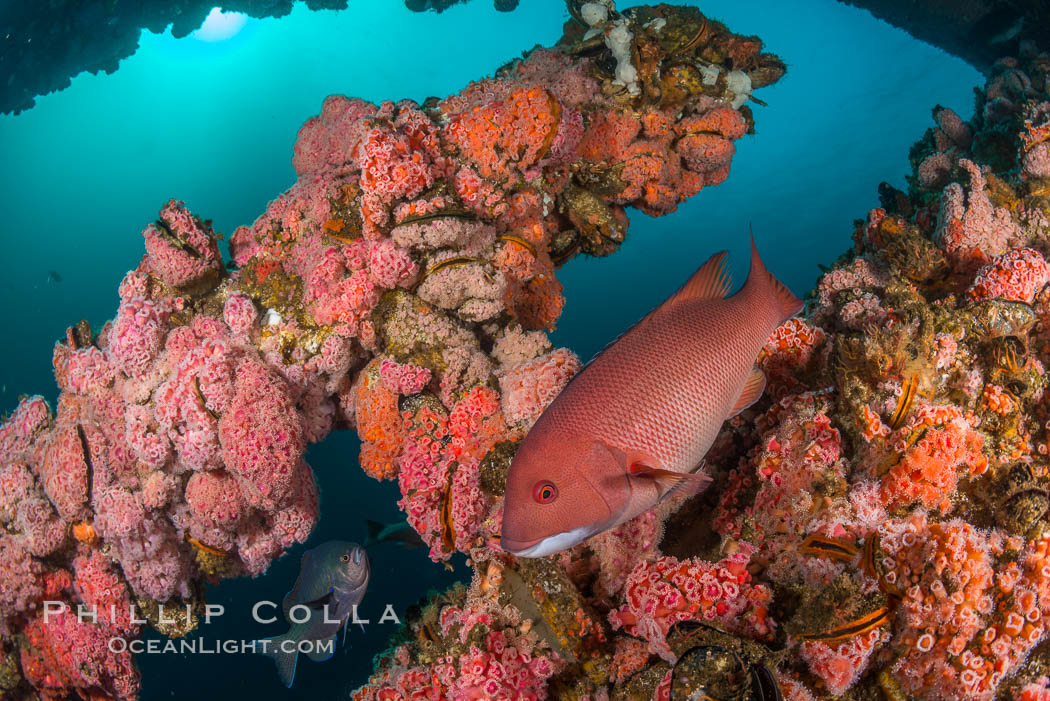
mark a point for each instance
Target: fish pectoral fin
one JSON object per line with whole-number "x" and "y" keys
{"x": 696, "y": 483}
{"x": 669, "y": 479}
{"x": 319, "y": 603}
{"x": 711, "y": 281}
{"x": 753, "y": 388}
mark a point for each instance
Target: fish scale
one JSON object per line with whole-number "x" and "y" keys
{"x": 668, "y": 394}
{"x": 643, "y": 412}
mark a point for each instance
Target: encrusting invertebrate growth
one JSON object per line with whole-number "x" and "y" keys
{"x": 402, "y": 287}
{"x": 877, "y": 526}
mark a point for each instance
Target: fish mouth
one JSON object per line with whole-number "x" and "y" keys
{"x": 549, "y": 545}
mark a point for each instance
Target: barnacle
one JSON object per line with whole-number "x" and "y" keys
{"x": 880, "y": 614}
{"x": 910, "y": 254}
{"x": 710, "y": 671}
{"x": 175, "y": 618}
{"x": 713, "y": 663}
{"x": 492, "y": 579}
{"x": 993, "y": 318}
{"x": 79, "y": 335}
{"x": 344, "y": 223}
{"x": 904, "y": 401}
{"x": 877, "y": 352}
{"x": 601, "y": 230}
{"x": 211, "y": 561}
{"x": 1010, "y": 353}
{"x": 679, "y": 80}
{"x": 495, "y": 465}
{"x": 1025, "y": 501}
{"x": 514, "y": 588}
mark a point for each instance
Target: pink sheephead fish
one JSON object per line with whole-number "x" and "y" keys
{"x": 636, "y": 422}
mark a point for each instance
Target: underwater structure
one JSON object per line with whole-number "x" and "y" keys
{"x": 977, "y": 31}
{"x": 877, "y": 525}
{"x": 44, "y": 45}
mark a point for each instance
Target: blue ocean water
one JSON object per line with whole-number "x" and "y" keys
{"x": 213, "y": 123}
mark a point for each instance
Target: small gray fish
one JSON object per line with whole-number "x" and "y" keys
{"x": 1009, "y": 33}
{"x": 400, "y": 533}
{"x": 332, "y": 580}
{"x": 999, "y": 25}
{"x": 54, "y": 276}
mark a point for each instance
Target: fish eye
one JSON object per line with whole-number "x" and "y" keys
{"x": 345, "y": 558}
{"x": 545, "y": 492}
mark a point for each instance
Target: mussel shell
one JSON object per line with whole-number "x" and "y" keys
{"x": 764, "y": 684}
{"x": 689, "y": 627}
{"x": 81, "y": 334}
{"x": 1015, "y": 343}
{"x": 495, "y": 466}
{"x": 713, "y": 671}
{"x": 590, "y": 45}
{"x": 999, "y": 317}
{"x": 563, "y": 245}
{"x": 605, "y": 64}
{"x": 1019, "y": 477}
{"x": 1023, "y": 512}
{"x": 770, "y": 69}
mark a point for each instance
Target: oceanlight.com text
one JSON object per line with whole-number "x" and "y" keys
{"x": 200, "y": 646}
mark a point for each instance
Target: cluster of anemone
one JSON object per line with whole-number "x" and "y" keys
{"x": 880, "y": 522}
{"x": 877, "y": 524}
{"x": 403, "y": 287}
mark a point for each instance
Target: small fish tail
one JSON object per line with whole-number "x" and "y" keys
{"x": 786, "y": 303}
{"x": 284, "y": 651}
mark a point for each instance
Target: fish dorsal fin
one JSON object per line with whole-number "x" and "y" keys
{"x": 711, "y": 281}
{"x": 753, "y": 388}
{"x": 786, "y": 303}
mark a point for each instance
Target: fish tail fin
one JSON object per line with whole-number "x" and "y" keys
{"x": 322, "y": 650}
{"x": 284, "y": 651}
{"x": 374, "y": 529}
{"x": 786, "y": 303}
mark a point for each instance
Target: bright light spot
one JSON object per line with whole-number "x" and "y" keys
{"x": 219, "y": 26}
